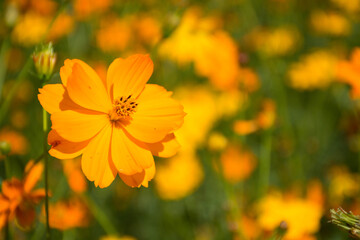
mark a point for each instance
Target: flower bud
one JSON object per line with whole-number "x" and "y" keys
{"x": 44, "y": 60}
{"x": 5, "y": 148}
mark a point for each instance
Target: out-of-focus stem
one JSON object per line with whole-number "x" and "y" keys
{"x": 100, "y": 216}
{"x": 46, "y": 170}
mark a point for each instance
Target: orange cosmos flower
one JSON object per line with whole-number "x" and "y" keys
{"x": 18, "y": 198}
{"x": 116, "y": 123}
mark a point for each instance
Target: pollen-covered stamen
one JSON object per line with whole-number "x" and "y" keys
{"x": 123, "y": 108}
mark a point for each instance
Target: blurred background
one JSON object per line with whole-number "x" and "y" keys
{"x": 271, "y": 139}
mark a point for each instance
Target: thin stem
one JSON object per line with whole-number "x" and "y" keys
{"x": 46, "y": 171}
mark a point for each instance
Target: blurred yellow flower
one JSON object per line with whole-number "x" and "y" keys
{"x": 237, "y": 164}
{"x": 200, "y": 41}
{"x": 349, "y": 72}
{"x": 330, "y": 23}
{"x": 343, "y": 184}
{"x": 217, "y": 141}
{"x": 313, "y": 71}
{"x": 273, "y": 42}
{"x": 349, "y": 6}
{"x": 302, "y": 216}
{"x": 179, "y": 176}
{"x": 30, "y": 29}
{"x": 68, "y": 214}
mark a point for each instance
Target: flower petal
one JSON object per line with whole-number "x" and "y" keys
{"x": 64, "y": 149}
{"x": 129, "y": 76}
{"x": 32, "y": 176}
{"x": 66, "y": 70}
{"x": 156, "y": 115}
{"x": 54, "y": 98}
{"x": 25, "y": 216}
{"x": 168, "y": 147}
{"x": 96, "y": 160}
{"x": 138, "y": 179}
{"x": 87, "y": 90}
{"x": 128, "y": 154}
{"x": 78, "y": 126}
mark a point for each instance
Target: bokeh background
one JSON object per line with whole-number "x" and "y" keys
{"x": 271, "y": 136}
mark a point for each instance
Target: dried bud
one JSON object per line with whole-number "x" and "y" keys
{"x": 347, "y": 221}
{"x": 44, "y": 60}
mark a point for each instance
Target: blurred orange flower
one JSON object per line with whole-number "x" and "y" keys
{"x": 68, "y": 214}
{"x": 237, "y": 164}
{"x": 115, "y": 124}
{"x": 18, "y": 143}
{"x": 114, "y": 34}
{"x": 74, "y": 175}
{"x": 349, "y": 72}
{"x": 18, "y": 199}
{"x": 87, "y": 8}
{"x": 265, "y": 119}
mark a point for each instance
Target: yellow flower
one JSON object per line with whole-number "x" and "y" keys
{"x": 316, "y": 70}
{"x": 117, "y": 123}
{"x": 199, "y": 40}
{"x": 302, "y": 216}
{"x": 30, "y": 29}
{"x": 330, "y": 23}
{"x": 179, "y": 176}
{"x": 349, "y": 6}
{"x": 273, "y": 42}
{"x": 343, "y": 184}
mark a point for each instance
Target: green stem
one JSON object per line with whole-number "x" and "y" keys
{"x": 46, "y": 171}
{"x": 265, "y": 163}
{"x": 100, "y": 216}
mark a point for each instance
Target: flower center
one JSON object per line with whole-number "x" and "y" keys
{"x": 123, "y": 108}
